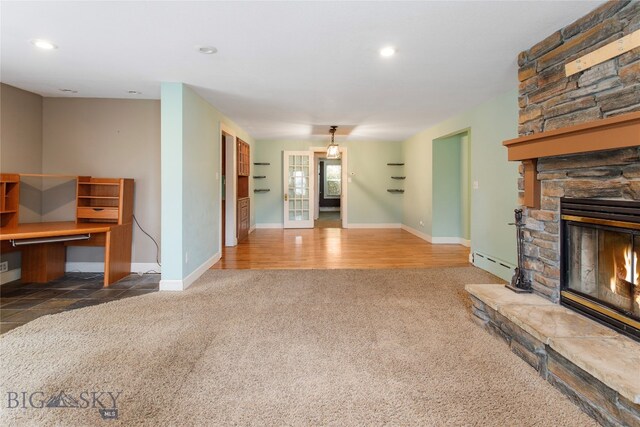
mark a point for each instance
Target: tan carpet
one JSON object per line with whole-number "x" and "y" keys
{"x": 304, "y": 347}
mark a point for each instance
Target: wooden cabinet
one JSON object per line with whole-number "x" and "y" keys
{"x": 243, "y": 158}
{"x": 104, "y": 200}
{"x": 243, "y": 215}
{"x": 243, "y": 218}
{"x": 9, "y": 199}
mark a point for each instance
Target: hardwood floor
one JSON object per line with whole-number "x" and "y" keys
{"x": 328, "y": 248}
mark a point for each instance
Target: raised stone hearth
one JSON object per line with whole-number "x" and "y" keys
{"x": 597, "y": 368}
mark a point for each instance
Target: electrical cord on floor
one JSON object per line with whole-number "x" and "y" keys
{"x": 154, "y": 240}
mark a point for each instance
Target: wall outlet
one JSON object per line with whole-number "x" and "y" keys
{"x": 421, "y": 223}
{"x": 476, "y": 185}
{"x": 4, "y": 266}
{"x": 186, "y": 257}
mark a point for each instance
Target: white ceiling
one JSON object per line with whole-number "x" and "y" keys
{"x": 282, "y": 68}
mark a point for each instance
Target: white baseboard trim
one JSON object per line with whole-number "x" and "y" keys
{"x": 171, "y": 285}
{"x": 181, "y": 285}
{"x": 372, "y": 225}
{"x": 270, "y": 225}
{"x": 10, "y": 276}
{"x": 252, "y": 229}
{"x": 98, "y": 267}
{"x": 451, "y": 241}
{"x": 420, "y": 234}
{"x": 438, "y": 240}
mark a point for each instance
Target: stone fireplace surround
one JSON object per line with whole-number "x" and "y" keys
{"x": 600, "y": 160}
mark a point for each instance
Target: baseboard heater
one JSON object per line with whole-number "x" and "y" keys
{"x": 494, "y": 265}
{"x": 23, "y": 242}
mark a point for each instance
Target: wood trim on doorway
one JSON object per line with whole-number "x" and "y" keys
{"x": 344, "y": 212}
{"x": 231, "y": 185}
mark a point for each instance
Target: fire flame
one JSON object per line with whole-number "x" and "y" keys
{"x": 631, "y": 271}
{"x": 632, "y": 276}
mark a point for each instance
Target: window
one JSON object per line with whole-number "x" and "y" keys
{"x": 333, "y": 184}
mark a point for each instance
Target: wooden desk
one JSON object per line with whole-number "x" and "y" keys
{"x": 43, "y": 262}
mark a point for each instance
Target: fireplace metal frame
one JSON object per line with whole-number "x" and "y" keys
{"x": 604, "y": 214}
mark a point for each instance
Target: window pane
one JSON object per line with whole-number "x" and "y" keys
{"x": 333, "y": 188}
{"x": 333, "y": 172}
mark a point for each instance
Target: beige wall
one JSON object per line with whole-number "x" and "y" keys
{"x": 20, "y": 130}
{"x": 21, "y": 143}
{"x": 107, "y": 138}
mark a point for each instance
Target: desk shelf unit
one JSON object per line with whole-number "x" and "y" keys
{"x": 9, "y": 199}
{"x": 104, "y": 215}
{"x": 104, "y": 200}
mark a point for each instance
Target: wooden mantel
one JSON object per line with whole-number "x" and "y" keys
{"x": 606, "y": 134}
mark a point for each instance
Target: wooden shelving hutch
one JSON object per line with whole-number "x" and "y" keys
{"x": 243, "y": 158}
{"x": 104, "y": 200}
{"x": 244, "y": 170}
{"x": 9, "y": 199}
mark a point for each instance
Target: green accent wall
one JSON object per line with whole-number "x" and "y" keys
{"x": 368, "y": 199}
{"x": 200, "y": 186}
{"x": 451, "y": 187}
{"x": 171, "y": 180}
{"x": 191, "y": 182}
{"x": 447, "y": 187}
{"x": 465, "y": 185}
{"x": 492, "y": 203}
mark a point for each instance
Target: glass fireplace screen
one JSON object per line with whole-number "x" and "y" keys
{"x": 602, "y": 264}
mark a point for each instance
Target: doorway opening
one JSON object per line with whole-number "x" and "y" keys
{"x": 229, "y": 182}
{"x": 328, "y": 209}
{"x": 452, "y": 189}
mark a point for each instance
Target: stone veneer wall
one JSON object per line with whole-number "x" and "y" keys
{"x": 550, "y": 100}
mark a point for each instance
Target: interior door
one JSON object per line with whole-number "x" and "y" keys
{"x": 299, "y": 180}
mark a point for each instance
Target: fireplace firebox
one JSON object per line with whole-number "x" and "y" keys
{"x": 600, "y": 250}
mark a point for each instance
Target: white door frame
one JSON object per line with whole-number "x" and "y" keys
{"x": 316, "y": 210}
{"x": 231, "y": 238}
{"x": 345, "y": 181}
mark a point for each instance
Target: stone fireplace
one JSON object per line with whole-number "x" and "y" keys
{"x": 579, "y": 154}
{"x": 603, "y": 162}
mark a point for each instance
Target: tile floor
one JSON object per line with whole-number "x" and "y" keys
{"x": 23, "y": 302}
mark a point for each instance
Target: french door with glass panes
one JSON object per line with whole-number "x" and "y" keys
{"x": 298, "y": 189}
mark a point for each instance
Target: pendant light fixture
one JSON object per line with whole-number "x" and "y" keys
{"x": 333, "y": 151}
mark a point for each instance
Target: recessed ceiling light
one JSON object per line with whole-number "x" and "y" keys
{"x": 207, "y": 50}
{"x": 134, "y": 92}
{"x": 387, "y": 51}
{"x": 43, "y": 44}
{"x": 69, "y": 90}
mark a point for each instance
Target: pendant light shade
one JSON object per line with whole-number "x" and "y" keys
{"x": 333, "y": 151}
